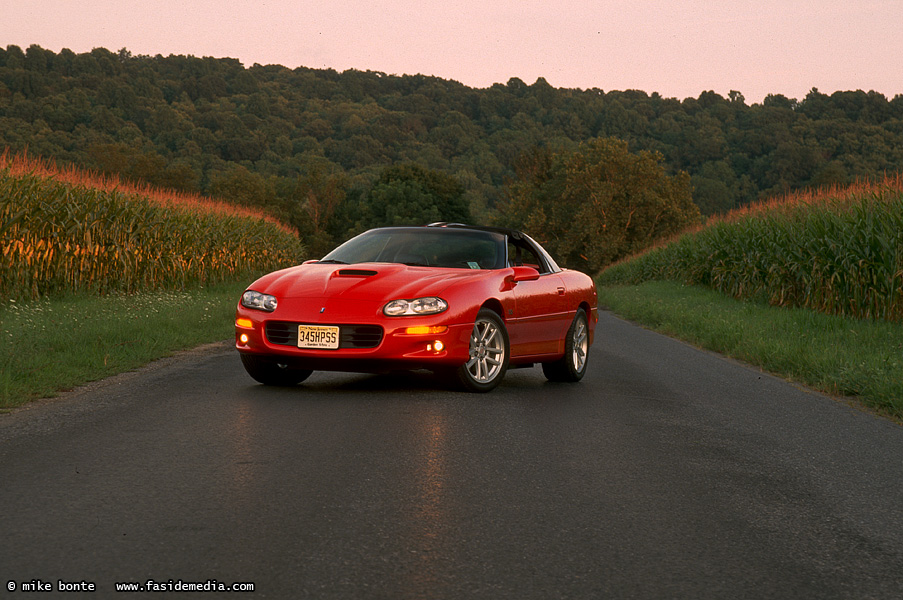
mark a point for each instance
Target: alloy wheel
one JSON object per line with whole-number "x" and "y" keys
{"x": 487, "y": 351}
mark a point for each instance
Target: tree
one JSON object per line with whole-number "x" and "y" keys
{"x": 314, "y": 198}
{"x": 409, "y": 194}
{"x": 241, "y": 186}
{"x": 598, "y": 203}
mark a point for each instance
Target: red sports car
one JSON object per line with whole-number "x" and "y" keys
{"x": 468, "y": 301}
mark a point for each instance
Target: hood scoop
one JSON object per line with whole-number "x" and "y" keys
{"x": 355, "y": 273}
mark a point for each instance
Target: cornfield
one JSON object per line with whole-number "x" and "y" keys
{"x": 837, "y": 252}
{"x": 58, "y": 234}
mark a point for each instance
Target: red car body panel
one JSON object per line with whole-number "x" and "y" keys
{"x": 537, "y": 313}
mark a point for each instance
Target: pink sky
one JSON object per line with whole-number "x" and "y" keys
{"x": 676, "y": 48}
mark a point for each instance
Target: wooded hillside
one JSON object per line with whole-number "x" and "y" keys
{"x": 314, "y": 146}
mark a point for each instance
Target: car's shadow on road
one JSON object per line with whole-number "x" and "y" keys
{"x": 402, "y": 381}
{"x": 323, "y": 385}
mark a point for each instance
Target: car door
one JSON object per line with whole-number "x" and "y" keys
{"x": 541, "y": 310}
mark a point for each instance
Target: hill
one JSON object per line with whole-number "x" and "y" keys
{"x": 304, "y": 142}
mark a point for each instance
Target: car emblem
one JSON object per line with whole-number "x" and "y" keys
{"x": 322, "y": 310}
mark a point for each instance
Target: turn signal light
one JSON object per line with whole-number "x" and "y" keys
{"x": 245, "y": 323}
{"x": 426, "y": 330}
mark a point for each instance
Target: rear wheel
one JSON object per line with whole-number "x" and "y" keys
{"x": 489, "y": 351}
{"x": 572, "y": 365}
{"x": 271, "y": 372}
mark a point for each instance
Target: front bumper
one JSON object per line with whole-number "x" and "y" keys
{"x": 396, "y": 350}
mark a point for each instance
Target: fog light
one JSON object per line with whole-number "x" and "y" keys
{"x": 438, "y": 346}
{"x": 243, "y": 338}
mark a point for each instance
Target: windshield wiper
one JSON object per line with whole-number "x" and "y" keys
{"x": 331, "y": 261}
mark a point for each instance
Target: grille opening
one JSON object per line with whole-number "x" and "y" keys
{"x": 350, "y": 336}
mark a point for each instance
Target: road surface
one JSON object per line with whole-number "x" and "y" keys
{"x": 668, "y": 472}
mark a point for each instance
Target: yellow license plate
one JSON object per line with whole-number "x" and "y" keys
{"x": 318, "y": 336}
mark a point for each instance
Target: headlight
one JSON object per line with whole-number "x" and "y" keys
{"x": 258, "y": 301}
{"x": 420, "y": 306}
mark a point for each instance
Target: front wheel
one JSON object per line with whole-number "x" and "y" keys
{"x": 572, "y": 366}
{"x": 489, "y": 352}
{"x": 271, "y": 372}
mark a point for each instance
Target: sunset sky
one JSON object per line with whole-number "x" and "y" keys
{"x": 676, "y": 48}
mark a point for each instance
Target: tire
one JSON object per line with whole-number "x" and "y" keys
{"x": 489, "y": 354}
{"x": 572, "y": 366}
{"x": 271, "y": 372}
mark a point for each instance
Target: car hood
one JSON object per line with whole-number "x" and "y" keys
{"x": 366, "y": 281}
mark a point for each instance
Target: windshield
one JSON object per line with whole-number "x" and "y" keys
{"x": 449, "y": 248}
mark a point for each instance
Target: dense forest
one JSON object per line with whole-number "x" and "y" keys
{"x": 333, "y": 152}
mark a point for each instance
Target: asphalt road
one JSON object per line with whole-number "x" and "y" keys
{"x": 667, "y": 473}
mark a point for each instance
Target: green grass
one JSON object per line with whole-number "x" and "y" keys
{"x": 838, "y": 355}
{"x": 55, "y": 344}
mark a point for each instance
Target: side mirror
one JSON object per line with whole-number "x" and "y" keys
{"x": 524, "y": 274}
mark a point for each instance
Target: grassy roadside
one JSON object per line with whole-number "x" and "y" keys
{"x": 837, "y": 355}
{"x": 52, "y": 345}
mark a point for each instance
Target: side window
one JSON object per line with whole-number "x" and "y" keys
{"x": 521, "y": 254}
